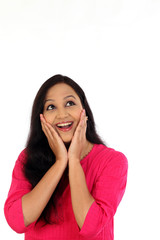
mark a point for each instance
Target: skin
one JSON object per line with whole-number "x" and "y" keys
{"x": 58, "y": 108}
{"x": 63, "y": 104}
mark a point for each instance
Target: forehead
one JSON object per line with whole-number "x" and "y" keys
{"x": 60, "y": 90}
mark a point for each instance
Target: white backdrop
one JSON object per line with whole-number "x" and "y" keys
{"x": 112, "y": 49}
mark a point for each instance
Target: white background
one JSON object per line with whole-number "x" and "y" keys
{"x": 112, "y": 49}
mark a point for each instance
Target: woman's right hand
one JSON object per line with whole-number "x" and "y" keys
{"x": 54, "y": 140}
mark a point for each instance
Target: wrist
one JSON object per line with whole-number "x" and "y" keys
{"x": 74, "y": 160}
{"x": 61, "y": 162}
{"x": 74, "y": 165}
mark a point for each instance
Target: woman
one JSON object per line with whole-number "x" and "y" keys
{"x": 66, "y": 183}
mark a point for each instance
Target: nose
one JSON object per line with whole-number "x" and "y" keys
{"x": 62, "y": 113}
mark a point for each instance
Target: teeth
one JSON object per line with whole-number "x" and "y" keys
{"x": 63, "y": 124}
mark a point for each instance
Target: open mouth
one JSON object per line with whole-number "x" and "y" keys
{"x": 66, "y": 126}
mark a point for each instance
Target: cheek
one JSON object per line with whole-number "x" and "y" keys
{"x": 49, "y": 117}
{"x": 77, "y": 114}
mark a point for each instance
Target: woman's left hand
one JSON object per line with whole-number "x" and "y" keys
{"x": 79, "y": 139}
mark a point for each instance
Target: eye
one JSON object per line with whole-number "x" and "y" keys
{"x": 51, "y": 107}
{"x": 70, "y": 103}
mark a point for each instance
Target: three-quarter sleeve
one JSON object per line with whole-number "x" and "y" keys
{"x": 13, "y": 205}
{"x": 107, "y": 191}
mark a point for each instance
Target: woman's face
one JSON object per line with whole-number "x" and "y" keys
{"x": 62, "y": 110}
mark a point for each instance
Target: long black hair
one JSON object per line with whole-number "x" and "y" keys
{"x": 39, "y": 155}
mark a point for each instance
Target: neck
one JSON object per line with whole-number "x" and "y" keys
{"x": 88, "y": 147}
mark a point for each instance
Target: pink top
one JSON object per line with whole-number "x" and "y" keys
{"x": 106, "y": 175}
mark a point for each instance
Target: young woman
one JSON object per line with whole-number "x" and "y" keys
{"x": 66, "y": 183}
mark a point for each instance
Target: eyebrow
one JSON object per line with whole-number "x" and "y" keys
{"x": 63, "y": 98}
{"x": 69, "y": 97}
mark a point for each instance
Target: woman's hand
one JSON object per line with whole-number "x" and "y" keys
{"x": 54, "y": 141}
{"x": 78, "y": 143}
{"x": 80, "y": 195}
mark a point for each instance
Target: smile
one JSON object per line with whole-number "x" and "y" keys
{"x": 64, "y": 126}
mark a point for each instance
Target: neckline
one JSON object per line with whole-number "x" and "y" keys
{"x": 88, "y": 153}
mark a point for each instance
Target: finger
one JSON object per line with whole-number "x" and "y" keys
{"x": 84, "y": 120}
{"x": 82, "y": 117}
{"x": 42, "y": 118}
{"x": 84, "y": 124}
{"x": 47, "y": 132}
{"x": 54, "y": 133}
{"x": 45, "y": 127}
{"x": 49, "y": 126}
{"x": 43, "y": 123}
{"x": 50, "y": 130}
{"x": 81, "y": 128}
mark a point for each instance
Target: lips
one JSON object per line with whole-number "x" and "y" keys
{"x": 64, "y": 126}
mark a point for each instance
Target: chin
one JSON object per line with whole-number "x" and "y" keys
{"x": 66, "y": 138}
{"x": 67, "y": 141}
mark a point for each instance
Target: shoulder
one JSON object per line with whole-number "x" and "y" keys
{"x": 20, "y": 163}
{"x": 105, "y": 157}
{"x": 22, "y": 157}
{"x": 107, "y": 153}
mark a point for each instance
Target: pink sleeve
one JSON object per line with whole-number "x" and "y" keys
{"x": 108, "y": 191}
{"x": 13, "y": 205}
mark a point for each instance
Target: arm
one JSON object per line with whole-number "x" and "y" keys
{"x": 95, "y": 210}
{"x": 80, "y": 195}
{"x": 24, "y": 205}
{"x": 108, "y": 189}
{"x": 34, "y": 202}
